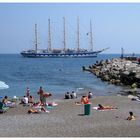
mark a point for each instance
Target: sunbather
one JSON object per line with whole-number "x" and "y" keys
{"x": 38, "y": 110}
{"x": 101, "y": 107}
{"x": 51, "y": 104}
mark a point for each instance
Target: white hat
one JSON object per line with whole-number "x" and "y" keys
{"x": 15, "y": 97}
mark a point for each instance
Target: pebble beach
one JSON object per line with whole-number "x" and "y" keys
{"x": 68, "y": 120}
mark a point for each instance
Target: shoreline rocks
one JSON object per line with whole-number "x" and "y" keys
{"x": 117, "y": 71}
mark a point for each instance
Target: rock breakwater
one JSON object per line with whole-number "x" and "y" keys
{"x": 117, "y": 71}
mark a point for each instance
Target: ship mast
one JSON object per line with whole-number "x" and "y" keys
{"x": 78, "y": 35}
{"x": 91, "y": 37}
{"x": 36, "y": 41}
{"x": 64, "y": 34}
{"x": 49, "y": 36}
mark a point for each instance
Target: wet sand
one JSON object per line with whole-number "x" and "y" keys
{"x": 67, "y": 120}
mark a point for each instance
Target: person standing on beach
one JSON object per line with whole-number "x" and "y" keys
{"x": 43, "y": 96}
{"x": 41, "y": 93}
{"x": 27, "y": 92}
{"x": 90, "y": 95}
{"x": 85, "y": 100}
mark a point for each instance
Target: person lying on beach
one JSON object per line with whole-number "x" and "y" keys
{"x": 134, "y": 98}
{"x": 101, "y": 107}
{"x": 38, "y": 110}
{"x": 131, "y": 116}
{"x": 51, "y": 104}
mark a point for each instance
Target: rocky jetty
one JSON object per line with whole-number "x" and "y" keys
{"x": 117, "y": 71}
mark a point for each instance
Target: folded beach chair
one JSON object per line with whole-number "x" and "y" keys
{"x": 3, "y": 108}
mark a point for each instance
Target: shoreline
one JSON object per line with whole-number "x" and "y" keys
{"x": 67, "y": 120}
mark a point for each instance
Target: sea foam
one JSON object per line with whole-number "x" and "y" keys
{"x": 3, "y": 85}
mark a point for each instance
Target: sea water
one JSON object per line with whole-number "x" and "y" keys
{"x": 55, "y": 75}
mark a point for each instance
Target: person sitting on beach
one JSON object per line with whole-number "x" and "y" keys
{"x": 42, "y": 109}
{"x": 67, "y": 95}
{"x": 24, "y": 100}
{"x": 73, "y": 95}
{"x": 31, "y": 99}
{"x": 90, "y": 94}
{"x": 7, "y": 102}
{"x": 131, "y": 116}
{"x": 101, "y": 107}
{"x": 5, "y": 99}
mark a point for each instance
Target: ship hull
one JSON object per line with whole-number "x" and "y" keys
{"x": 61, "y": 55}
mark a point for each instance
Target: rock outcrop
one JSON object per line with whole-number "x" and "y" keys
{"x": 117, "y": 71}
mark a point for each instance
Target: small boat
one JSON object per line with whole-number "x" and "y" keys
{"x": 65, "y": 52}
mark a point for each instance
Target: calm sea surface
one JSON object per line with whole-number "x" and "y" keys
{"x": 55, "y": 75}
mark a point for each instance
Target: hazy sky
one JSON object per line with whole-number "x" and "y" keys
{"x": 114, "y": 25}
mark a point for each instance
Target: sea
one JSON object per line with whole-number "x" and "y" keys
{"x": 55, "y": 75}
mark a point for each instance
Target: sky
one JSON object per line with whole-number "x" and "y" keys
{"x": 114, "y": 25}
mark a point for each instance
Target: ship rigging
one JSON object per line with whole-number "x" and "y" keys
{"x": 65, "y": 52}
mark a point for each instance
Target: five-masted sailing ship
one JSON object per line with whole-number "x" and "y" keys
{"x": 65, "y": 52}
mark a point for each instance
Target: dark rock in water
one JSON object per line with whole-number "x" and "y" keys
{"x": 90, "y": 67}
{"x": 83, "y": 68}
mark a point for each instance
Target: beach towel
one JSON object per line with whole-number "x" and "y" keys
{"x": 105, "y": 109}
{"x": 50, "y": 107}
